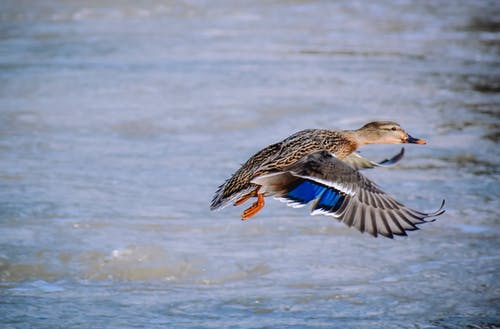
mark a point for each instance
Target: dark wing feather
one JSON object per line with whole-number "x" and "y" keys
{"x": 338, "y": 190}
{"x": 358, "y": 162}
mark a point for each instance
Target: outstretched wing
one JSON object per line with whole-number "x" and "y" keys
{"x": 357, "y": 162}
{"x": 338, "y": 190}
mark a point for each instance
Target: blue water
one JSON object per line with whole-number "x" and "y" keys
{"x": 118, "y": 120}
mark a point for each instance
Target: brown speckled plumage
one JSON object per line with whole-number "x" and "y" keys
{"x": 282, "y": 154}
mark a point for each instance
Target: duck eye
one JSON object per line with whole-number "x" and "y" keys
{"x": 393, "y": 128}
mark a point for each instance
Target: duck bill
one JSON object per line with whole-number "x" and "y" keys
{"x": 412, "y": 140}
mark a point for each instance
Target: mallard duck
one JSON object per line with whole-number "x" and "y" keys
{"x": 322, "y": 167}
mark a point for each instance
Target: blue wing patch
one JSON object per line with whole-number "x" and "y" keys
{"x": 329, "y": 199}
{"x": 306, "y": 191}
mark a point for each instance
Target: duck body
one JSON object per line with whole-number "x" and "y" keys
{"x": 277, "y": 156}
{"x": 319, "y": 165}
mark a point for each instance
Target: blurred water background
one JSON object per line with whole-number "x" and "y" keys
{"x": 119, "y": 119}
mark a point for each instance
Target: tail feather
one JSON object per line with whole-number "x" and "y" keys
{"x": 221, "y": 198}
{"x": 218, "y": 200}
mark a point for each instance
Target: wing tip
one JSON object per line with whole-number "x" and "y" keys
{"x": 392, "y": 161}
{"x": 431, "y": 217}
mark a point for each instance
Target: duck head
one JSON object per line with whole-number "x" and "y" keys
{"x": 385, "y": 132}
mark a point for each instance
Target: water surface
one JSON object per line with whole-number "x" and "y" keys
{"x": 118, "y": 121}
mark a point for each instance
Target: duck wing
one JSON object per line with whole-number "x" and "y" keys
{"x": 358, "y": 162}
{"x": 338, "y": 190}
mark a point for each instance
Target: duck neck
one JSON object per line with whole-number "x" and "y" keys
{"x": 343, "y": 143}
{"x": 361, "y": 137}
{"x": 356, "y": 137}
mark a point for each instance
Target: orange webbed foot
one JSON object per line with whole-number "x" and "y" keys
{"x": 254, "y": 208}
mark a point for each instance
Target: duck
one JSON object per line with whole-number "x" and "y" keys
{"x": 322, "y": 167}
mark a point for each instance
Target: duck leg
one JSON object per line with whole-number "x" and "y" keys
{"x": 247, "y": 196}
{"x": 254, "y": 208}
{"x": 244, "y": 198}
